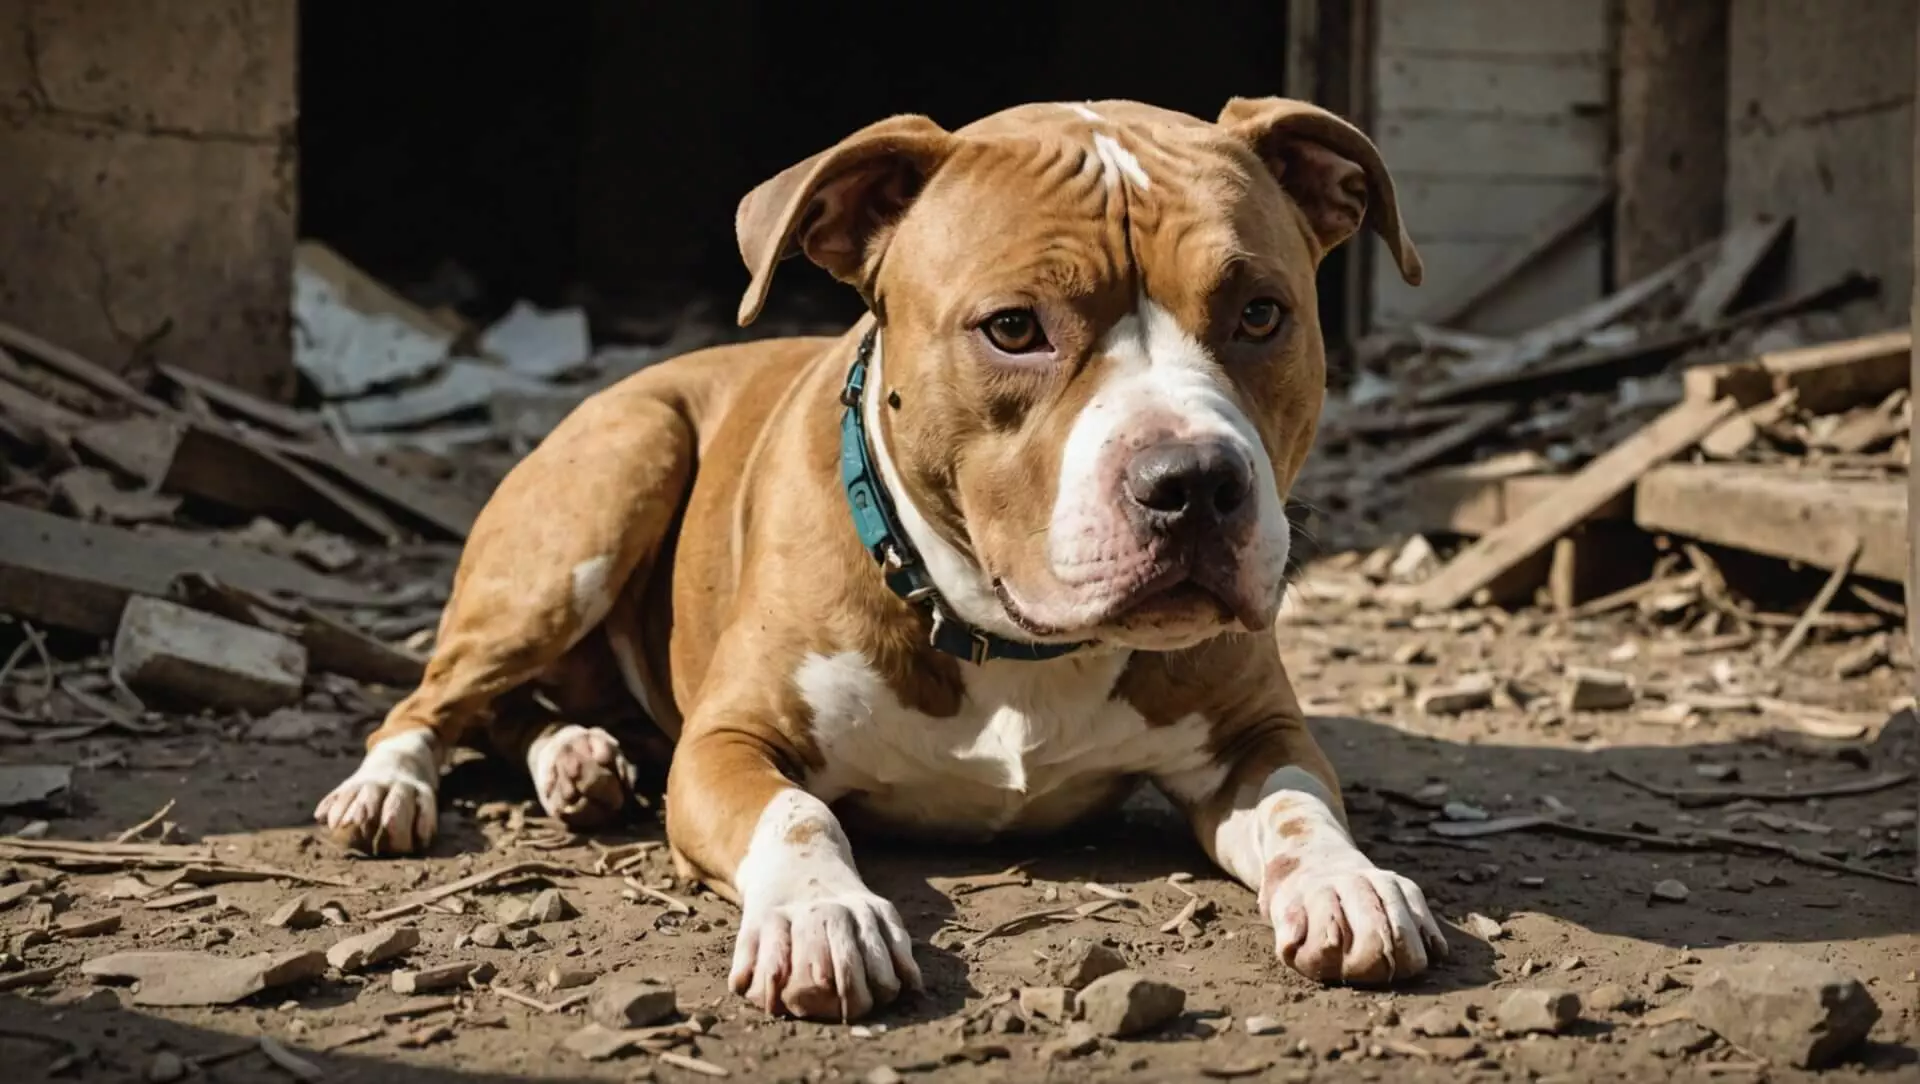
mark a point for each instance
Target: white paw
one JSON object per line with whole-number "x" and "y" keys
{"x": 836, "y": 957}
{"x": 1358, "y": 924}
{"x": 388, "y": 806}
{"x": 580, "y": 775}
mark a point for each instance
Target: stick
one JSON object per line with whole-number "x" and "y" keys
{"x": 1192, "y": 908}
{"x": 464, "y": 884}
{"x": 1018, "y": 921}
{"x": 1806, "y": 857}
{"x": 692, "y": 1064}
{"x": 140, "y": 829}
{"x": 288, "y": 1060}
{"x": 673, "y": 903}
{"x": 1699, "y": 797}
{"x": 89, "y": 854}
{"x": 1818, "y": 606}
{"x": 548, "y": 1007}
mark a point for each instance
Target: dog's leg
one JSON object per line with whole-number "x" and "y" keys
{"x": 546, "y": 558}
{"x": 1269, "y": 813}
{"x": 814, "y": 940}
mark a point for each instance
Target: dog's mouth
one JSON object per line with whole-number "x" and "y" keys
{"x": 1183, "y": 589}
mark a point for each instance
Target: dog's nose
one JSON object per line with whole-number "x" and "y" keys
{"x": 1178, "y": 483}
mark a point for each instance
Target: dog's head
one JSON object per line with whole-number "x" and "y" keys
{"x": 1100, "y": 363}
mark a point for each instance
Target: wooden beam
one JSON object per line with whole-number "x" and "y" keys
{"x": 1828, "y": 377}
{"x": 1600, "y": 482}
{"x": 1473, "y": 291}
{"x": 1793, "y": 515}
{"x": 1472, "y": 501}
{"x": 1741, "y": 253}
{"x": 1483, "y": 419}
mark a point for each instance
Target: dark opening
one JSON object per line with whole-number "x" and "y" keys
{"x": 594, "y": 152}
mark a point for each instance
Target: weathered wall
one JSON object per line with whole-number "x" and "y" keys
{"x": 1821, "y": 99}
{"x": 1670, "y": 157}
{"x": 146, "y": 181}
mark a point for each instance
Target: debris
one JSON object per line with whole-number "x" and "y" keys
{"x": 426, "y": 1036}
{"x": 1864, "y": 659}
{"x": 1128, "y": 1003}
{"x": 181, "y": 900}
{"x": 195, "y": 978}
{"x": 1797, "y": 635}
{"x": 1462, "y": 811}
{"x": 1083, "y": 962}
{"x": 1670, "y": 891}
{"x": 691, "y": 1064}
{"x": 1827, "y": 377}
{"x": 467, "y": 884}
{"x": 1612, "y": 997}
{"x": 1785, "y": 1007}
{"x": 72, "y": 926}
{"x": 597, "y": 1042}
{"x": 632, "y": 1003}
{"x": 1054, "y": 1003}
{"x": 169, "y": 651}
{"x": 140, "y": 829}
{"x": 91, "y": 495}
{"x": 31, "y": 786}
{"x": 1538, "y": 1010}
{"x": 568, "y": 978}
{"x": 1699, "y": 797}
{"x": 415, "y": 1009}
{"x": 165, "y": 1068}
{"x": 488, "y": 936}
{"x": 539, "y": 344}
{"x": 1079, "y": 1041}
{"x": 1678, "y": 1038}
{"x": 194, "y": 861}
{"x": 673, "y": 903}
{"x": 1764, "y": 510}
{"x": 446, "y": 976}
{"x": 288, "y": 1060}
{"x": 21, "y": 980}
{"x": 1473, "y": 692}
{"x": 352, "y": 334}
{"x": 1263, "y": 1025}
{"x": 375, "y": 947}
{"x": 549, "y": 906}
{"x": 1590, "y": 689}
{"x": 291, "y": 726}
{"x": 1438, "y": 1022}
{"x": 536, "y": 1004}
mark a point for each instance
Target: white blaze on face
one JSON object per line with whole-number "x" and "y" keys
{"x": 1160, "y": 382}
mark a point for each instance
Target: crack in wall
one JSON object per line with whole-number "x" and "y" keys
{"x": 74, "y": 122}
{"x": 1756, "y": 123}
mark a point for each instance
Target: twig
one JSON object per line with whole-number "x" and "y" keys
{"x": 1628, "y": 596}
{"x": 88, "y": 854}
{"x": 288, "y": 1060}
{"x": 536, "y": 1004}
{"x": 28, "y": 978}
{"x": 1104, "y": 892}
{"x": 415, "y": 1009}
{"x": 1699, "y": 797}
{"x": 692, "y": 1064}
{"x": 39, "y": 645}
{"x": 1192, "y": 908}
{"x": 1873, "y": 600}
{"x": 1806, "y": 857}
{"x": 465, "y": 884}
{"x": 1821, "y": 600}
{"x": 1017, "y": 922}
{"x": 673, "y": 903}
{"x": 140, "y": 829}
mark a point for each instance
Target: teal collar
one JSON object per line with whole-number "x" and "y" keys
{"x": 887, "y": 543}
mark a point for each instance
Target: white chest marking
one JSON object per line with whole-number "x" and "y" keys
{"x": 1034, "y": 743}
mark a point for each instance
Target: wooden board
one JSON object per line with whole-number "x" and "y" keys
{"x": 1523, "y": 27}
{"x": 1741, "y": 253}
{"x": 1601, "y": 481}
{"x": 1796, "y": 516}
{"x": 1456, "y": 501}
{"x": 1485, "y": 418}
{"x": 1554, "y": 229}
{"x": 1829, "y": 377}
{"x": 1479, "y": 83}
{"x": 67, "y": 574}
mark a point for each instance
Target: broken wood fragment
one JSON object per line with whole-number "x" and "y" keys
{"x": 1827, "y": 377}
{"x": 1741, "y": 252}
{"x": 1821, "y": 600}
{"x": 1791, "y": 515}
{"x": 181, "y": 655}
{"x": 467, "y": 884}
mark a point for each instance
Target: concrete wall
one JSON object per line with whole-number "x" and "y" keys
{"x": 1821, "y": 126}
{"x": 1670, "y": 143}
{"x": 146, "y": 181}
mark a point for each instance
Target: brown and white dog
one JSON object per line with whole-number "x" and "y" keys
{"x": 1012, "y": 543}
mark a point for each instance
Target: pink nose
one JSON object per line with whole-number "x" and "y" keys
{"x": 1188, "y": 483}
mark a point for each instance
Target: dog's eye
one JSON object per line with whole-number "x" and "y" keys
{"x": 1014, "y": 331}
{"x": 1260, "y": 320}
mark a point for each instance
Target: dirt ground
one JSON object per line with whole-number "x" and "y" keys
{"x": 1572, "y": 913}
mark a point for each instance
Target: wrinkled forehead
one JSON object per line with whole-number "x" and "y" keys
{"x": 1079, "y": 197}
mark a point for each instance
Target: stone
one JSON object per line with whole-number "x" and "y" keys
{"x": 1473, "y": 692}
{"x": 1053, "y": 1003}
{"x": 1670, "y": 891}
{"x": 632, "y": 1003}
{"x": 883, "y": 1074}
{"x": 1538, "y": 1010}
{"x": 178, "y": 979}
{"x": 1785, "y": 1007}
{"x": 1484, "y": 928}
{"x": 298, "y": 913}
{"x": 1438, "y": 1022}
{"x": 1129, "y": 1003}
{"x": 172, "y": 653}
{"x": 512, "y": 914}
{"x": 487, "y": 935}
{"x": 1079, "y": 1041}
{"x": 367, "y": 949}
{"x": 1592, "y": 689}
{"x": 1612, "y": 997}
{"x": 445, "y": 977}
{"x": 550, "y": 906}
{"x": 165, "y": 1068}
{"x": 1264, "y": 1025}
{"x": 1679, "y": 1038}
{"x": 1083, "y": 962}
{"x": 1005, "y": 1021}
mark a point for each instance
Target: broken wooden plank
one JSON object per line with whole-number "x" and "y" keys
{"x": 1561, "y": 223}
{"x": 1795, "y": 516}
{"x": 51, "y": 423}
{"x": 138, "y": 447}
{"x": 1741, "y": 252}
{"x": 1829, "y": 377}
{"x": 218, "y": 465}
{"x": 1485, "y": 418}
{"x": 1478, "y": 497}
{"x": 1602, "y": 480}
{"x": 75, "y": 575}
{"x": 78, "y": 369}
{"x": 435, "y": 511}
{"x": 281, "y": 419}
{"x": 333, "y": 647}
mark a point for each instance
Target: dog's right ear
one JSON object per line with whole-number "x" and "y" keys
{"x": 839, "y": 205}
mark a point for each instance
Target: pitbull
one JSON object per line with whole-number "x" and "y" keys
{"x": 1011, "y": 544}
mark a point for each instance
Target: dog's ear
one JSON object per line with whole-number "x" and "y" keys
{"x": 839, "y": 205}
{"x": 1329, "y": 167}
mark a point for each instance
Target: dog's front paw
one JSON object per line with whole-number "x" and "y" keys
{"x": 1360, "y": 925}
{"x": 835, "y": 957}
{"x": 388, "y": 806}
{"x": 580, "y": 774}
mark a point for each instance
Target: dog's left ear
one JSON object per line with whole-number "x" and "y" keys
{"x": 1329, "y": 167}
{"x": 838, "y": 206}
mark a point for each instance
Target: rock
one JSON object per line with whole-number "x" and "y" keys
{"x": 1129, "y": 1003}
{"x": 440, "y": 978}
{"x": 298, "y": 913}
{"x": 1264, "y": 1025}
{"x": 292, "y": 726}
{"x": 1572, "y": 963}
{"x": 173, "y": 653}
{"x": 1079, "y": 1041}
{"x": 69, "y": 927}
{"x": 165, "y": 1068}
{"x": 1538, "y": 1010}
{"x": 1462, "y": 811}
{"x": 632, "y": 1003}
{"x": 1470, "y": 693}
{"x": 1592, "y": 689}
{"x": 1670, "y": 891}
{"x": 487, "y": 935}
{"x": 549, "y": 906}
{"x": 525, "y": 939}
{"x": 883, "y": 1074}
{"x": 1438, "y": 1022}
{"x": 1005, "y": 1021}
{"x": 1055, "y": 1003}
{"x": 597, "y": 1042}
{"x": 513, "y": 914}
{"x": 570, "y": 978}
{"x": 31, "y": 786}
{"x": 1484, "y": 928}
{"x": 196, "y": 978}
{"x": 1083, "y": 962}
{"x": 1413, "y": 653}
{"x": 1785, "y": 1007}
{"x": 367, "y": 949}
{"x": 1679, "y": 1038}
{"x": 1415, "y": 559}
{"x": 1612, "y": 997}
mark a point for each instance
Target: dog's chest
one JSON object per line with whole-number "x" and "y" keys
{"x": 1033, "y": 746}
